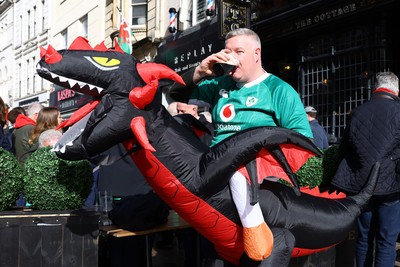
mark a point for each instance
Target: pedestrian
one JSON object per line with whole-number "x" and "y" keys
{"x": 247, "y": 97}
{"x": 373, "y": 135}
{"x": 12, "y": 117}
{"x": 4, "y": 140}
{"x": 48, "y": 118}
{"x": 319, "y": 133}
{"x": 24, "y": 125}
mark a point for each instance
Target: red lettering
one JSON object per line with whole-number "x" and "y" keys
{"x": 65, "y": 94}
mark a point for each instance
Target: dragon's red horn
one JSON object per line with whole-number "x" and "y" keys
{"x": 51, "y": 55}
{"x": 152, "y": 71}
{"x": 140, "y": 97}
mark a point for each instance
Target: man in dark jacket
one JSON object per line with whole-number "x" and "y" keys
{"x": 373, "y": 135}
{"x": 319, "y": 133}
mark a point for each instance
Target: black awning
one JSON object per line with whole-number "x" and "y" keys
{"x": 186, "y": 49}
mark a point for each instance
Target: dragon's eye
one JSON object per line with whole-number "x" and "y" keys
{"x": 106, "y": 62}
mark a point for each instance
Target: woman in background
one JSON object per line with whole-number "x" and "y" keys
{"x": 48, "y": 118}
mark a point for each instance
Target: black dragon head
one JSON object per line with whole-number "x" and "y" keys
{"x": 120, "y": 86}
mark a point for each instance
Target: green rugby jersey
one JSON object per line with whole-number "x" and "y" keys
{"x": 267, "y": 101}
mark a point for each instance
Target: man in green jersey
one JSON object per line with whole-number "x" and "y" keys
{"x": 245, "y": 98}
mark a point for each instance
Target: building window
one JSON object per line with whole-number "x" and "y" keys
{"x": 28, "y": 81}
{"x": 139, "y": 12}
{"x": 34, "y": 89}
{"x": 64, "y": 36}
{"x": 198, "y": 13}
{"x": 28, "y": 22}
{"x": 34, "y": 21}
{"x": 20, "y": 29}
{"x": 84, "y": 27}
{"x": 43, "y": 18}
{"x": 19, "y": 80}
{"x": 337, "y": 73}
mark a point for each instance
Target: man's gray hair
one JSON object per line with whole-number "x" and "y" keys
{"x": 387, "y": 80}
{"x": 33, "y": 108}
{"x": 244, "y": 32}
{"x": 49, "y": 137}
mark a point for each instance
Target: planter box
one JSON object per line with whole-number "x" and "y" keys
{"x": 49, "y": 238}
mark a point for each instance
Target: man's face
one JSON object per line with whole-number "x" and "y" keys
{"x": 246, "y": 51}
{"x": 183, "y": 108}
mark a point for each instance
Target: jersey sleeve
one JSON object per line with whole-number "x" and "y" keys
{"x": 289, "y": 109}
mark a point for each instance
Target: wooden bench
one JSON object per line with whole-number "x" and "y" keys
{"x": 175, "y": 222}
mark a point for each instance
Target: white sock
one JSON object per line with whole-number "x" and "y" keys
{"x": 249, "y": 215}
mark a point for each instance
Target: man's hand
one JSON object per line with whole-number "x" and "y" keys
{"x": 206, "y": 66}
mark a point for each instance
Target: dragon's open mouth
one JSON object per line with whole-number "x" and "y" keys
{"x": 69, "y": 83}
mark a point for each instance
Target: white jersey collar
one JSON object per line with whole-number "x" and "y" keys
{"x": 256, "y": 81}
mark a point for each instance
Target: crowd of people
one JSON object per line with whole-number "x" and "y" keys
{"x": 247, "y": 97}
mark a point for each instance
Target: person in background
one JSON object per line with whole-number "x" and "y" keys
{"x": 12, "y": 117}
{"x": 319, "y": 133}
{"x": 48, "y": 118}
{"x": 247, "y": 97}
{"x": 192, "y": 108}
{"x": 24, "y": 125}
{"x": 4, "y": 140}
{"x": 373, "y": 135}
{"x": 49, "y": 137}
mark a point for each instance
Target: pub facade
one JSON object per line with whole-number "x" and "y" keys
{"x": 329, "y": 51}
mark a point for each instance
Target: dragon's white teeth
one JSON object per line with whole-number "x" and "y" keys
{"x": 62, "y": 150}
{"x": 81, "y": 84}
{"x": 63, "y": 79}
{"x": 91, "y": 87}
{"x": 72, "y": 83}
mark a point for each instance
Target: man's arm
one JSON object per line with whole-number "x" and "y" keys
{"x": 194, "y": 76}
{"x": 182, "y": 93}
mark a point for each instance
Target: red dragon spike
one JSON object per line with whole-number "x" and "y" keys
{"x": 101, "y": 47}
{"x": 52, "y": 56}
{"x": 80, "y": 43}
{"x": 118, "y": 48}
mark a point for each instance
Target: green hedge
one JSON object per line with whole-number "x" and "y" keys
{"x": 51, "y": 183}
{"x": 11, "y": 182}
{"x": 319, "y": 171}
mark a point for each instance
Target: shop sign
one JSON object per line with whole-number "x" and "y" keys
{"x": 67, "y": 99}
{"x": 233, "y": 15}
{"x": 186, "y": 50}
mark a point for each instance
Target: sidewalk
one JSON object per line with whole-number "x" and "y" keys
{"x": 175, "y": 257}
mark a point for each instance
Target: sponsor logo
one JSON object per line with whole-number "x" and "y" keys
{"x": 223, "y": 93}
{"x": 228, "y": 127}
{"x": 227, "y": 113}
{"x": 251, "y": 100}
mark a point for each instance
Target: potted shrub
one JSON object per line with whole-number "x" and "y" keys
{"x": 319, "y": 171}
{"x": 56, "y": 231}
{"x": 51, "y": 183}
{"x": 11, "y": 182}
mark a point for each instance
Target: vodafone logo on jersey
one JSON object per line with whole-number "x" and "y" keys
{"x": 227, "y": 112}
